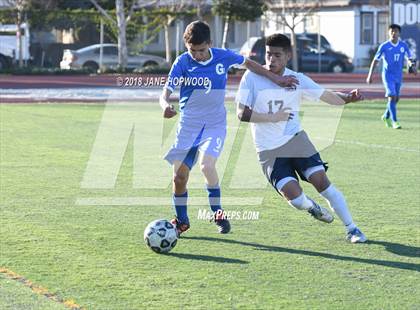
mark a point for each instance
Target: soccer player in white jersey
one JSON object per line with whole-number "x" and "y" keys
{"x": 284, "y": 149}
{"x": 201, "y": 73}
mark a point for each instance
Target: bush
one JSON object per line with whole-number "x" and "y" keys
{"x": 161, "y": 69}
{"x": 117, "y": 70}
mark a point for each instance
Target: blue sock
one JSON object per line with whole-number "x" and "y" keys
{"x": 392, "y": 108}
{"x": 180, "y": 205}
{"x": 214, "y": 198}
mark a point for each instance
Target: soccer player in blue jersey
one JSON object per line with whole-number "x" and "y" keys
{"x": 392, "y": 52}
{"x": 201, "y": 73}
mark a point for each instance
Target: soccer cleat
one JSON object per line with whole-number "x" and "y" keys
{"x": 396, "y": 125}
{"x": 180, "y": 227}
{"x": 387, "y": 121}
{"x": 320, "y": 213}
{"x": 356, "y": 236}
{"x": 221, "y": 221}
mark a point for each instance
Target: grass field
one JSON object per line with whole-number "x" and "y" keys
{"x": 94, "y": 256}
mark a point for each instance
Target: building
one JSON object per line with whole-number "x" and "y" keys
{"x": 354, "y": 27}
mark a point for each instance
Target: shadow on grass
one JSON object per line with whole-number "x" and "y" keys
{"x": 216, "y": 259}
{"x": 398, "y": 248}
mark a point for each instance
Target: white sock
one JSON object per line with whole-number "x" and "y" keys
{"x": 301, "y": 202}
{"x": 337, "y": 202}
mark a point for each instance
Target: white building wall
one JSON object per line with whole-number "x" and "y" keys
{"x": 362, "y": 50}
{"x": 339, "y": 28}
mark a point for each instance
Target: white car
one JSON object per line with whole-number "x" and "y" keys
{"x": 88, "y": 57}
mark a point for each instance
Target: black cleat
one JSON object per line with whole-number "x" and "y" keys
{"x": 180, "y": 227}
{"x": 221, "y": 221}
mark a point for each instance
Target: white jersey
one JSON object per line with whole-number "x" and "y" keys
{"x": 263, "y": 96}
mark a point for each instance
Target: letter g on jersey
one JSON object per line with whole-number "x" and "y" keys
{"x": 220, "y": 69}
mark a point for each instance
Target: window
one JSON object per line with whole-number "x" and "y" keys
{"x": 366, "y": 36}
{"x": 382, "y": 27}
{"x": 110, "y": 50}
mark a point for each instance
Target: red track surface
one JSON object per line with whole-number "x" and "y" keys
{"x": 33, "y": 81}
{"x": 79, "y": 81}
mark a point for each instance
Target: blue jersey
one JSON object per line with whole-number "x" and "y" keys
{"x": 203, "y": 85}
{"x": 393, "y": 59}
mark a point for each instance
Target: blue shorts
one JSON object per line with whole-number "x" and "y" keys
{"x": 392, "y": 87}
{"x": 279, "y": 163}
{"x": 190, "y": 140}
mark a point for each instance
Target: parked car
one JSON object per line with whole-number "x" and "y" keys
{"x": 88, "y": 57}
{"x": 307, "y": 50}
{"x": 314, "y": 37}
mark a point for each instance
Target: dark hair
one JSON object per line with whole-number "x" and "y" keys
{"x": 395, "y": 26}
{"x": 197, "y": 32}
{"x": 278, "y": 40}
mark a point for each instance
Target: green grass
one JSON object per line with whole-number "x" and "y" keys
{"x": 95, "y": 255}
{"x": 14, "y": 295}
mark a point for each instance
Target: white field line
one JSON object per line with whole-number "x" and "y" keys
{"x": 372, "y": 145}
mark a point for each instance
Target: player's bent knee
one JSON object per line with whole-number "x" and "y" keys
{"x": 289, "y": 188}
{"x": 180, "y": 179}
{"x": 319, "y": 180}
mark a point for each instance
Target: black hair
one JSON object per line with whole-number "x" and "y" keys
{"x": 395, "y": 26}
{"x": 197, "y": 32}
{"x": 279, "y": 40}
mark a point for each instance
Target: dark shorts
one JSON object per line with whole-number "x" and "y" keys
{"x": 290, "y": 159}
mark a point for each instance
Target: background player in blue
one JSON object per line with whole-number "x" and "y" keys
{"x": 392, "y": 52}
{"x": 201, "y": 73}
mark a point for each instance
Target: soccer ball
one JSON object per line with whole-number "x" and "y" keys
{"x": 160, "y": 236}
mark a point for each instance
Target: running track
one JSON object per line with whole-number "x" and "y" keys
{"x": 342, "y": 82}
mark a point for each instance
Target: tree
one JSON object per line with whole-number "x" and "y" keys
{"x": 200, "y": 6}
{"x": 241, "y": 10}
{"x": 169, "y": 11}
{"x": 122, "y": 18}
{"x": 19, "y": 7}
{"x": 291, "y": 14}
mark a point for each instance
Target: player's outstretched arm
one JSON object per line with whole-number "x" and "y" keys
{"x": 168, "y": 109}
{"x": 338, "y": 98}
{"x": 288, "y": 81}
{"x": 372, "y": 67}
{"x": 245, "y": 114}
